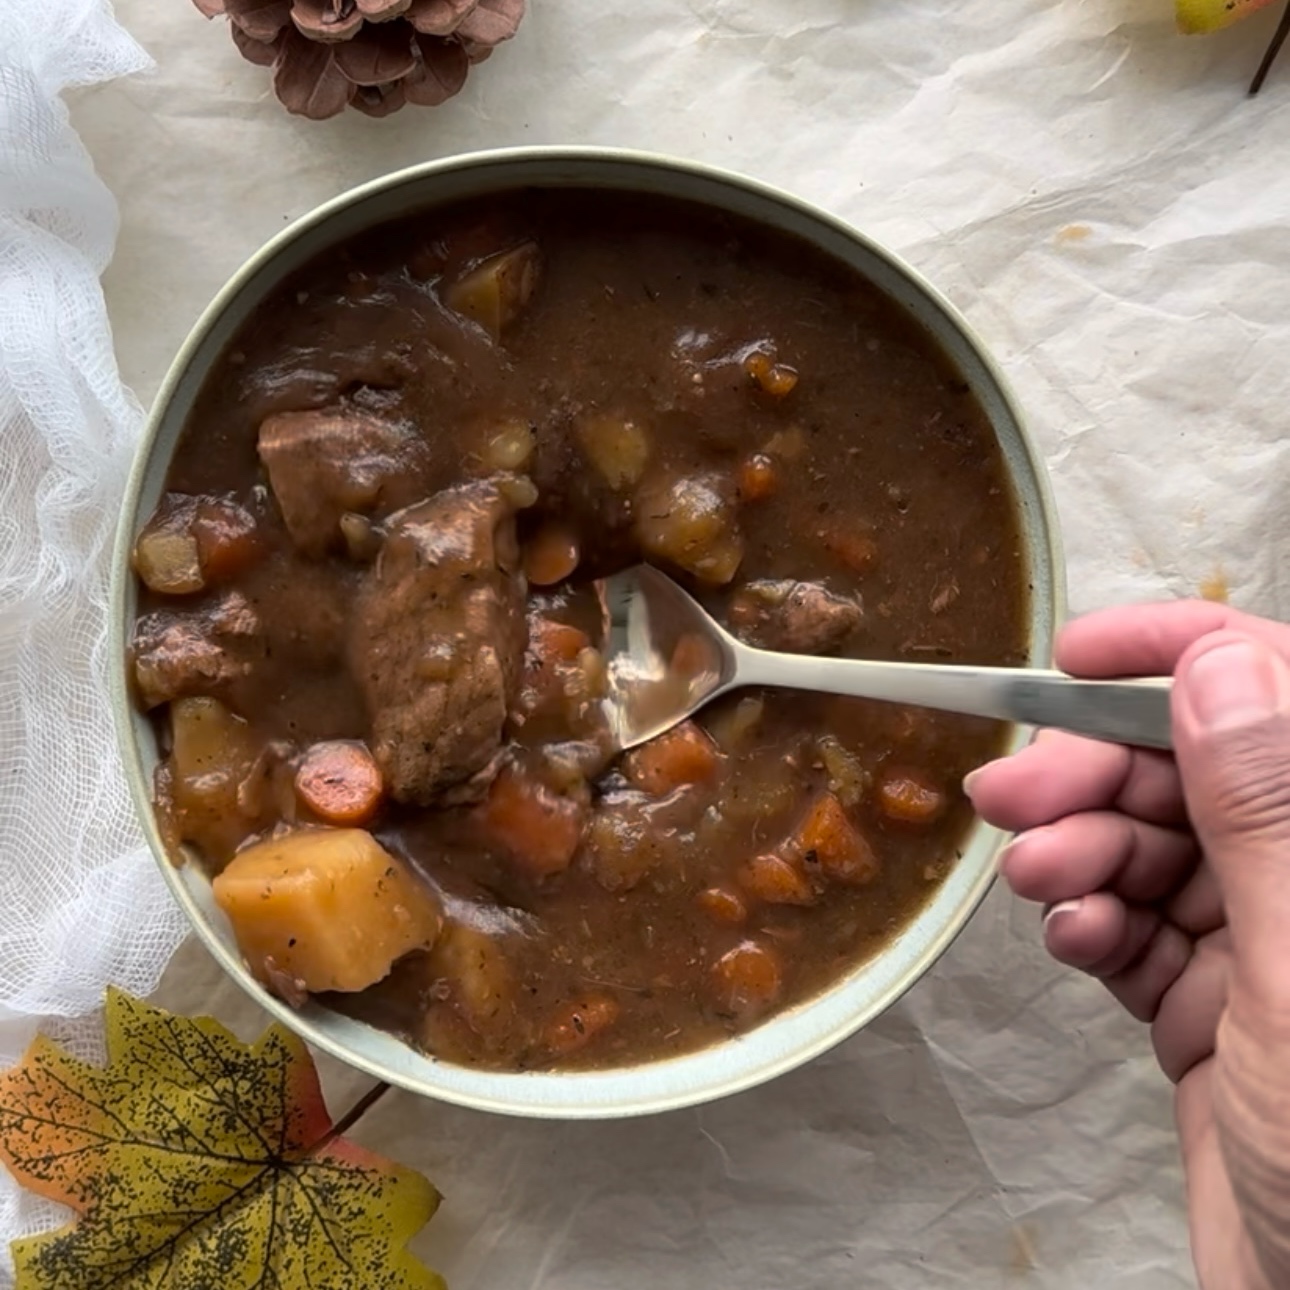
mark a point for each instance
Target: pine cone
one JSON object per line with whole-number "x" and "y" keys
{"x": 374, "y": 55}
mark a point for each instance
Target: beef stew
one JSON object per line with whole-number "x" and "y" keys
{"x": 370, "y": 641}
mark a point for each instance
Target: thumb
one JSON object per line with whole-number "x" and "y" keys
{"x": 1231, "y": 710}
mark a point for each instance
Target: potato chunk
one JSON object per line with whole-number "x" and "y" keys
{"x": 496, "y": 292}
{"x": 691, "y": 523}
{"x": 331, "y": 907}
{"x": 619, "y": 449}
{"x": 166, "y": 559}
{"x": 212, "y": 754}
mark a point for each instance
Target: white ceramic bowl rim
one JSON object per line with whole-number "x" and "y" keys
{"x": 792, "y": 1037}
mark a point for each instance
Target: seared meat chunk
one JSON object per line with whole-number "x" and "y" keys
{"x": 437, "y": 643}
{"x": 324, "y": 464}
{"x": 793, "y": 617}
{"x": 195, "y": 652}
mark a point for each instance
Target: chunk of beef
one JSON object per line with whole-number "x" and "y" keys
{"x": 437, "y": 643}
{"x": 325, "y": 464}
{"x": 794, "y": 617}
{"x": 200, "y": 652}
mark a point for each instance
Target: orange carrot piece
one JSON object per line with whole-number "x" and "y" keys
{"x": 776, "y": 881}
{"x": 577, "y": 1024}
{"x": 910, "y": 798}
{"x": 340, "y": 782}
{"x": 757, "y": 478}
{"x": 748, "y": 978}
{"x": 228, "y": 541}
{"x": 775, "y": 379}
{"x": 683, "y": 755}
{"x": 540, "y": 829}
{"x": 722, "y": 904}
{"x": 553, "y": 648}
{"x": 858, "y": 551}
{"x": 551, "y": 556}
{"x": 828, "y": 838}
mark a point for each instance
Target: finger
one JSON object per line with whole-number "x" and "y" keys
{"x": 1082, "y": 853}
{"x": 1185, "y": 1024}
{"x": 1098, "y": 934}
{"x": 1198, "y": 908}
{"x": 1143, "y": 985}
{"x": 1060, "y": 774}
{"x": 1148, "y": 640}
{"x": 1232, "y": 726}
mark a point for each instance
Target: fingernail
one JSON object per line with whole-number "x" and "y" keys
{"x": 1060, "y": 910}
{"x": 1020, "y": 843}
{"x": 1233, "y": 685}
{"x": 969, "y": 779}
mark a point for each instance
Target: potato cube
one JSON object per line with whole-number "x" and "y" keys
{"x": 213, "y": 751}
{"x": 619, "y": 449}
{"x": 691, "y": 523}
{"x": 331, "y": 907}
{"x": 496, "y": 292}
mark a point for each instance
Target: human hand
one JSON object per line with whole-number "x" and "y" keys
{"x": 1168, "y": 878}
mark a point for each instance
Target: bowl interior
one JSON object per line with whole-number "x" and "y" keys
{"x": 791, "y": 1037}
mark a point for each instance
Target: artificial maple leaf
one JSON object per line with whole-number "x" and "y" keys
{"x": 1195, "y": 16}
{"x": 196, "y": 1162}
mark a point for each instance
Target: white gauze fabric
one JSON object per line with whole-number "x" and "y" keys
{"x": 81, "y": 902}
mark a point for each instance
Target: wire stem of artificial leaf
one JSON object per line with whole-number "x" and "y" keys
{"x": 1270, "y": 57}
{"x": 352, "y": 1116}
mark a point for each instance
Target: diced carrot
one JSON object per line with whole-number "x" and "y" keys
{"x": 683, "y": 755}
{"x": 909, "y": 798}
{"x": 828, "y": 838}
{"x": 551, "y": 556}
{"x": 858, "y": 551}
{"x": 553, "y": 650}
{"x": 554, "y": 642}
{"x": 340, "y": 782}
{"x": 577, "y": 1024}
{"x": 228, "y": 541}
{"x": 748, "y": 978}
{"x": 722, "y": 904}
{"x": 776, "y": 881}
{"x": 540, "y": 829}
{"x": 775, "y": 379}
{"x": 757, "y": 479}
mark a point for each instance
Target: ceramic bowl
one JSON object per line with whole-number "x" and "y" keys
{"x": 790, "y": 1038}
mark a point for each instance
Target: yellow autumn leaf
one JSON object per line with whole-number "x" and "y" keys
{"x": 1199, "y": 16}
{"x": 196, "y": 1162}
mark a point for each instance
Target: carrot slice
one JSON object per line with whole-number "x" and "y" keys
{"x": 540, "y": 829}
{"x": 722, "y": 904}
{"x": 340, "y": 782}
{"x": 910, "y": 798}
{"x": 683, "y": 755}
{"x": 757, "y": 478}
{"x": 551, "y": 556}
{"x": 776, "y": 881}
{"x": 828, "y": 838}
{"x": 748, "y": 978}
{"x": 577, "y": 1024}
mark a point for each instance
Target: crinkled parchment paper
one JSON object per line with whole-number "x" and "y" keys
{"x": 1110, "y": 211}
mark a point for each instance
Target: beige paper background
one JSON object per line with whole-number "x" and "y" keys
{"x": 1099, "y": 197}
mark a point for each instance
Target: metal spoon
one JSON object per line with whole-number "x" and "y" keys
{"x": 667, "y": 658}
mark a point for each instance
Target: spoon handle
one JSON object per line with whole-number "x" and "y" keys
{"x": 1124, "y": 712}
